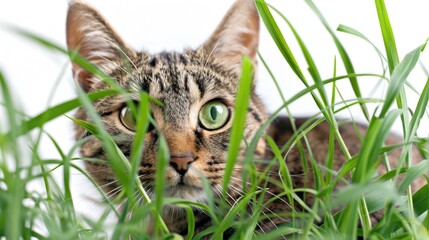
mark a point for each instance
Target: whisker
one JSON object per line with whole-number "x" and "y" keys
{"x": 123, "y": 69}
{"x": 239, "y": 192}
{"x": 266, "y": 190}
{"x": 211, "y": 53}
{"x": 108, "y": 184}
{"x": 113, "y": 192}
{"x": 124, "y": 53}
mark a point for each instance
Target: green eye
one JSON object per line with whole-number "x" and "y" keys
{"x": 128, "y": 119}
{"x": 214, "y": 115}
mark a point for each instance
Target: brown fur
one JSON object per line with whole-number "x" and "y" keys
{"x": 184, "y": 82}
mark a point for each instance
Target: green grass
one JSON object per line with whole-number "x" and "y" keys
{"x": 25, "y": 214}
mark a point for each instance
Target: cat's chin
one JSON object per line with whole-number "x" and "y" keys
{"x": 186, "y": 192}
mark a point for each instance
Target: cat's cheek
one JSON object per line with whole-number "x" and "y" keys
{"x": 92, "y": 148}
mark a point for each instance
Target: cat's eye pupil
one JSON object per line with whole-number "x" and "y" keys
{"x": 213, "y": 112}
{"x": 214, "y": 115}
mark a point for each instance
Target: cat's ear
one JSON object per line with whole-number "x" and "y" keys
{"x": 92, "y": 38}
{"x": 235, "y": 36}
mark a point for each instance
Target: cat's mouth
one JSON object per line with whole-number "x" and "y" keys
{"x": 185, "y": 187}
{"x": 185, "y": 182}
{"x": 182, "y": 181}
{"x": 187, "y": 192}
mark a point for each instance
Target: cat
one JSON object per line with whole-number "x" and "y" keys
{"x": 198, "y": 89}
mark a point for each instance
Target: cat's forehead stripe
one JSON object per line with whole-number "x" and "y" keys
{"x": 175, "y": 72}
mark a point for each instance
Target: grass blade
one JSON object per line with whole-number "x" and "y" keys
{"x": 354, "y": 32}
{"x": 12, "y": 186}
{"x": 344, "y": 56}
{"x": 419, "y": 111}
{"x": 58, "y": 110}
{"x": 399, "y": 77}
{"x": 388, "y": 37}
{"x": 278, "y": 38}
{"x": 412, "y": 173}
{"x": 377, "y": 132}
{"x": 240, "y": 113}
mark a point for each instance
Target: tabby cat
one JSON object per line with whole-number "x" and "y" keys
{"x": 197, "y": 89}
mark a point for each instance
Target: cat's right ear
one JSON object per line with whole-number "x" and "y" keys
{"x": 235, "y": 36}
{"x": 90, "y": 36}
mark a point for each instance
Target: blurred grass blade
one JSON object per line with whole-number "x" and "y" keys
{"x": 33, "y": 37}
{"x": 58, "y": 110}
{"x": 91, "y": 128}
{"x": 118, "y": 162}
{"x": 412, "y": 173}
{"x": 10, "y": 109}
{"x": 240, "y": 113}
{"x": 142, "y": 115}
{"x": 11, "y": 183}
{"x": 352, "y": 192}
{"x": 420, "y": 200}
{"x": 162, "y": 161}
{"x": 81, "y": 61}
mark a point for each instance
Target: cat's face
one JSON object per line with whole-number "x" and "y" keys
{"x": 197, "y": 89}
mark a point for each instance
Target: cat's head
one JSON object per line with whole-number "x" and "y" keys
{"x": 197, "y": 88}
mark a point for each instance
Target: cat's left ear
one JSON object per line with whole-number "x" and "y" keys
{"x": 89, "y": 34}
{"x": 235, "y": 36}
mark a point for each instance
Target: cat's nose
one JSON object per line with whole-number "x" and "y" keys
{"x": 181, "y": 162}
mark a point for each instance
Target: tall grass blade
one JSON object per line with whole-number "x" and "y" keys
{"x": 309, "y": 59}
{"x": 58, "y": 110}
{"x": 278, "y": 38}
{"x": 352, "y": 31}
{"x": 388, "y": 37}
{"x": 344, "y": 56}
{"x": 13, "y": 186}
{"x": 419, "y": 111}
{"x": 378, "y": 130}
{"x": 162, "y": 158}
{"x": 420, "y": 200}
{"x": 281, "y": 43}
{"x": 412, "y": 173}
{"x": 399, "y": 77}
{"x": 240, "y": 113}
{"x": 142, "y": 124}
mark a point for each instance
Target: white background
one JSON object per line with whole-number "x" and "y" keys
{"x": 159, "y": 25}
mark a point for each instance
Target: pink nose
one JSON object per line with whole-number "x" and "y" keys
{"x": 181, "y": 162}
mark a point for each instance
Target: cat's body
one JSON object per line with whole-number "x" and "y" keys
{"x": 197, "y": 88}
